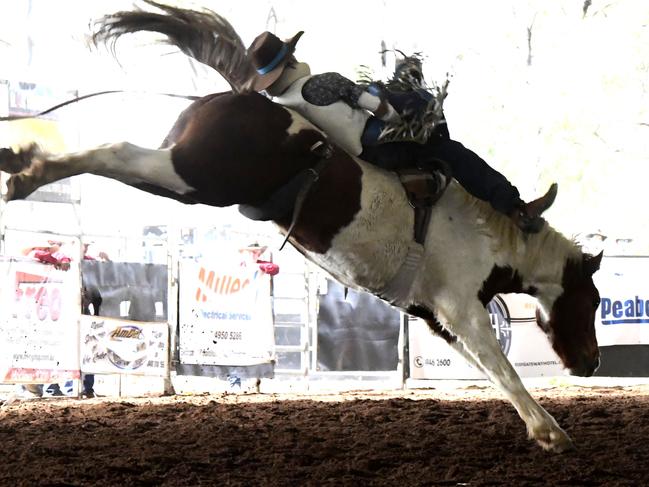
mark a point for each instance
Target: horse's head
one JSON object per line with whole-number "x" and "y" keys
{"x": 569, "y": 321}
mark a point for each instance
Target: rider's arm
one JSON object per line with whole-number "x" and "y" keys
{"x": 325, "y": 89}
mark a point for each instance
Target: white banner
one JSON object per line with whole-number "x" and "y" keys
{"x": 225, "y": 311}
{"x": 513, "y": 320}
{"x": 623, "y": 315}
{"x": 114, "y": 346}
{"x": 39, "y": 322}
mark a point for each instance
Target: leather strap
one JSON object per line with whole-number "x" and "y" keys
{"x": 423, "y": 189}
{"x": 313, "y": 174}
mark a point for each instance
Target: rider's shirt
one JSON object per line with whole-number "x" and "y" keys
{"x": 330, "y": 101}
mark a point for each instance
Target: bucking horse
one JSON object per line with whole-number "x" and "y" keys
{"x": 354, "y": 220}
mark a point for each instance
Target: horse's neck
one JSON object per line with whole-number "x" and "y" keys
{"x": 539, "y": 259}
{"x": 546, "y": 255}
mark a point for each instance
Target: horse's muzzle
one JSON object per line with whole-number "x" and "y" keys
{"x": 586, "y": 370}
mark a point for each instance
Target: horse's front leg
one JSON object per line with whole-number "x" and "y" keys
{"x": 478, "y": 344}
{"x": 123, "y": 161}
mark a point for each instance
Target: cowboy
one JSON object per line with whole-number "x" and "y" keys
{"x": 353, "y": 118}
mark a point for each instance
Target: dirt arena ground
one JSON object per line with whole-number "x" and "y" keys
{"x": 404, "y": 438}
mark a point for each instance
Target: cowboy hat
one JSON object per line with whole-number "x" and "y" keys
{"x": 268, "y": 55}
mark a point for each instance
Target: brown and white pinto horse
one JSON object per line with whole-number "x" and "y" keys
{"x": 356, "y": 224}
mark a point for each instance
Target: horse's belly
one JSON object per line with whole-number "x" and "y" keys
{"x": 368, "y": 252}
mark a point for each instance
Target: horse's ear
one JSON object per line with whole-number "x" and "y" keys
{"x": 592, "y": 263}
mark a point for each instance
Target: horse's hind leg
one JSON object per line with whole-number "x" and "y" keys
{"x": 123, "y": 161}
{"x": 479, "y": 345}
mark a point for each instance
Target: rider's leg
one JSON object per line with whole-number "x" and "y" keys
{"x": 485, "y": 183}
{"x": 470, "y": 170}
{"x": 474, "y": 174}
{"x": 392, "y": 156}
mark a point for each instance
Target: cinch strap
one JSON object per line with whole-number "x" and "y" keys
{"x": 273, "y": 64}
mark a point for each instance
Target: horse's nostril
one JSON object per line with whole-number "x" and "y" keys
{"x": 589, "y": 370}
{"x": 596, "y": 365}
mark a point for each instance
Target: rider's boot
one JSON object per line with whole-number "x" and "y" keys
{"x": 527, "y": 216}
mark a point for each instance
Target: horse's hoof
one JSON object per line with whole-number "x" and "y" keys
{"x": 10, "y": 161}
{"x": 15, "y": 162}
{"x": 555, "y": 440}
{"x": 18, "y": 187}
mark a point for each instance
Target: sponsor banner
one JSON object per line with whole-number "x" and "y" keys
{"x": 114, "y": 346}
{"x": 15, "y": 375}
{"x": 26, "y": 98}
{"x": 514, "y": 323}
{"x": 225, "y": 311}
{"x": 623, "y": 315}
{"x": 39, "y": 319}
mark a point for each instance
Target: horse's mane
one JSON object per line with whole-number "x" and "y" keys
{"x": 545, "y": 246}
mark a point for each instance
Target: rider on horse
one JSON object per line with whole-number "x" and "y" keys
{"x": 355, "y": 116}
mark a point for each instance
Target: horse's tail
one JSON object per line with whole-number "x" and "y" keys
{"x": 204, "y": 36}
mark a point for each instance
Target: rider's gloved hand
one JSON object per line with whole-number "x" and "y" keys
{"x": 379, "y": 107}
{"x": 387, "y": 113}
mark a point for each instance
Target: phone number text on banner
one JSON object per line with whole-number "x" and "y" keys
{"x": 514, "y": 324}
{"x": 225, "y": 312}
